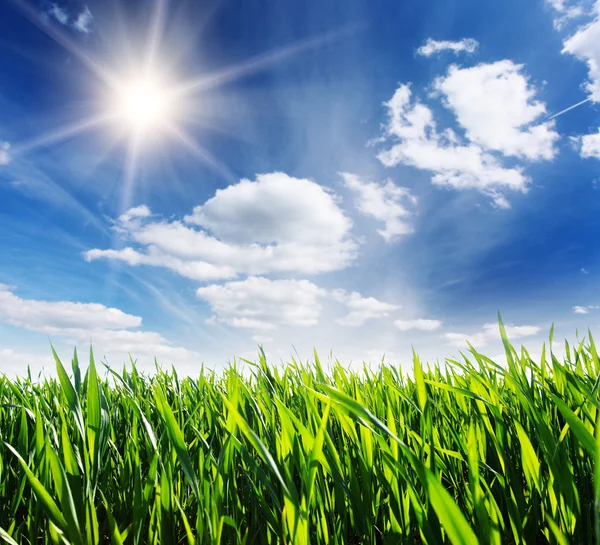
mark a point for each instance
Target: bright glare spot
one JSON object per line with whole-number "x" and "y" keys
{"x": 143, "y": 104}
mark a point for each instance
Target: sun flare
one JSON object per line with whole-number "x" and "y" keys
{"x": 143, "y": 104}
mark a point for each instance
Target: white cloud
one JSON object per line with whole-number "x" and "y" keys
{"x": 83, "y": 22}
{"x": 584, "y": 271}
{"x": 361, "y": 308}
{"x": 59, "y": 13}
{"x": 141, "y": 211}
{"x": 420, "y": 323}
{"x": 489, "y": 333}
{"x": 261, "y": 339}
{"x": 4, "y": 153}
{"x": 386, "y": 202}
{"x": 585, "y": 45}
{"x": 566, "y": 10}
{"x": 584, "y": 309}
{"x": 262, "y": 304}
{"x": 109, "y": 329}
{"x": 416, "y": 142}
{"x": 276, "y": 224}
{"x": 53, "y": 317}
{"x": 495, "y": 103}
{"x": 432, "y": 47}
{"x": 14, "y": 363}
{"x": 589, "y": 145}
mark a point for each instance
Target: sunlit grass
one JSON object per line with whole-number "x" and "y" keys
{"x": 473, "y": 452}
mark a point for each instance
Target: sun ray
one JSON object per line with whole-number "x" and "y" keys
{"x": 130, "y": 170}
{"x": 157, "y": 25}
{"x": 262, "y": 61}
{"x": 62, "y": 39}
{"x": 201, "y": 153}
{"x": 64, "y": 132}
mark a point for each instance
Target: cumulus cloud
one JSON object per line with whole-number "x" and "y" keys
{"x": 262, "y": 304}
{"x": 489, "y": 333}
{"x": 500, "y": 95}
{"x": 390, "y": 204}
{"x": 433, "y": 47}
{"x": 495, "y": 104}
{"x": 361, "y": 308}
{"x": 276, "y": 224}
{"x": 584, "y": 309}
{"x": 52, "y": 317}
{"x": 110, "y": 329}
{"x": 589, "y": 145}
{"x": 585, "y": 45}
{"x": 420, "y": 323}
{"x": 4, "y": 153}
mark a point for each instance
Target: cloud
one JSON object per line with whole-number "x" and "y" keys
{"x": 4, "y": 153}
{"x": 388, "y": 203}
{"x": 489, "y": 333}
{"x": 495, "y": 104}
{"x": 416, "y": 142}
{"x": 52, "y": 317}
{"x": 262, "y": 304}
{"x": 585, "y": 45}
{"x": 420, "y": 323}
{"x": 109, "y": 329}
{"x": 432, "y": 47}
{"x": 589, "y": 145}
{"x": 584, "y": 309}
{"x": 83, "y": 22}
{"x": 141, "y": 211}
{"x": 13, "y": 363}
{"x": 59, "y": 13}
{"x": 361, "y": 308}
{"x": 261, "y": 339}
{"x": 497, "y": 93}
{"x": 276, "y": 224}
{"x": 565, "y": 11}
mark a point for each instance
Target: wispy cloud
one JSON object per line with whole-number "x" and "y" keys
{"x": 584, "y": 309}
{"x": 423, "y": 324}
{"x": 4, "y": 153}
{"x": 110, "y": 329}
{"x": 82, "y": 22}
{"x": 361, "y": 308}
{"x": 489, "y": 333}
{"x": 389, "y": 203}
{"x": 59, "y": 13}
{"x": 433, "y": 47}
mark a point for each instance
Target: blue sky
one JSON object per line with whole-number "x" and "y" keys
{"x": 189, "y": 181}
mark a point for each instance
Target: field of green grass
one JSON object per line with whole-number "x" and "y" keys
{"x": 472, "y": 452}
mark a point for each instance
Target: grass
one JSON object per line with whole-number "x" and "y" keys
{"x": 471, "y": 452}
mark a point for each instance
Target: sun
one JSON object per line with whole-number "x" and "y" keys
{"x": 143, "y": 104}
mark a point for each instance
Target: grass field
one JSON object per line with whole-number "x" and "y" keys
{"x": 473, "y": 452}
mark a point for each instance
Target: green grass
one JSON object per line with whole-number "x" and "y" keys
{"x": 471, "y": 452}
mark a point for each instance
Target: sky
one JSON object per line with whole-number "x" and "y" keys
{"x": 189, "y": 180}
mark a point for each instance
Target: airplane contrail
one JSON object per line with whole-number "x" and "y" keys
{"x": 569, "y": 108}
